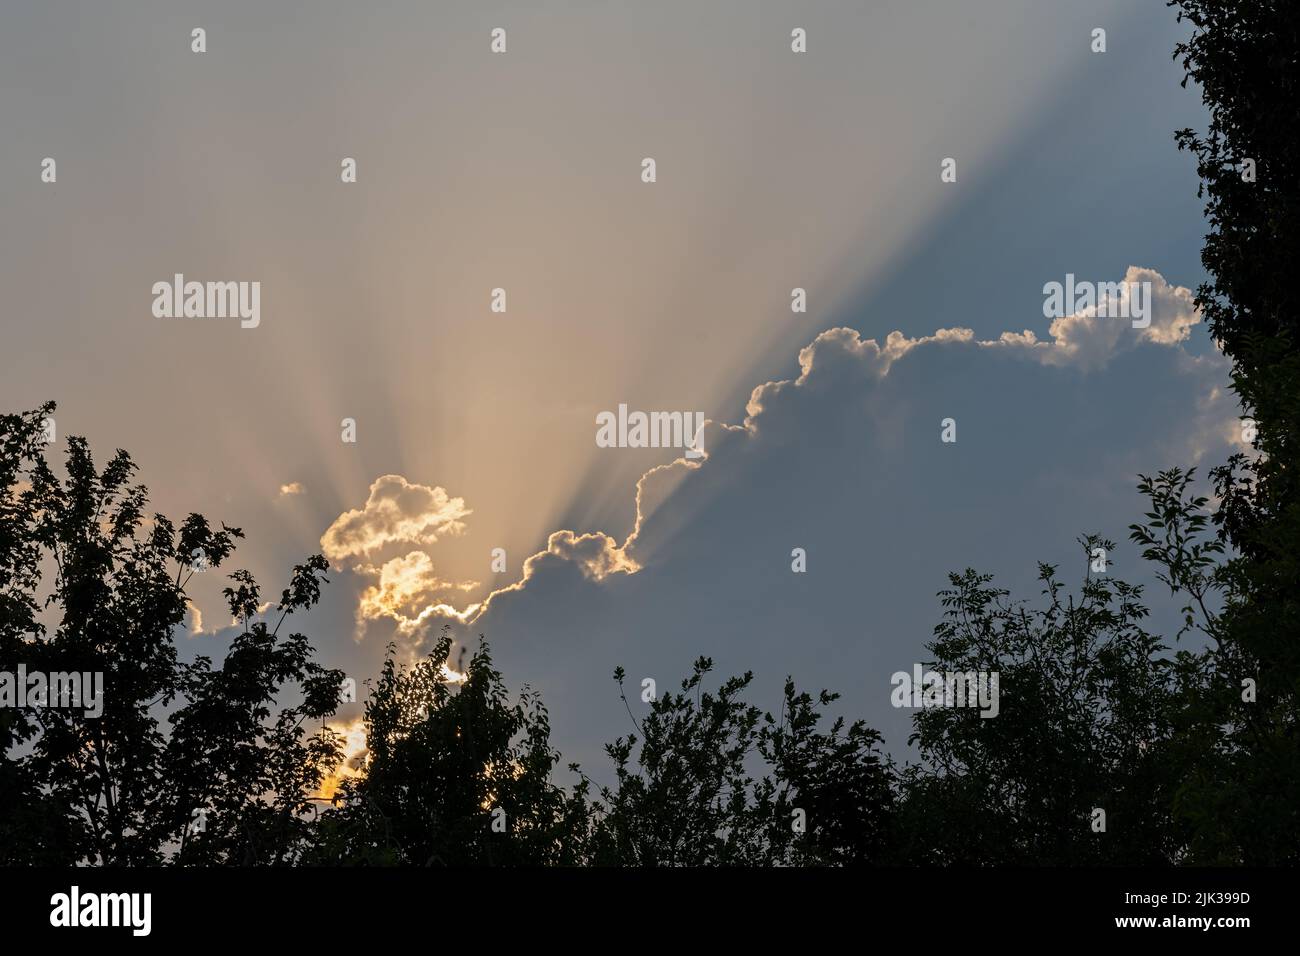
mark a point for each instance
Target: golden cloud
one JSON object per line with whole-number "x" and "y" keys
{"x": 396, "y": 512}
{"x": 405, "y": 587}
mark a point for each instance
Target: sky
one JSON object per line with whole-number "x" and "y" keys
{"x": 523, "y": 171}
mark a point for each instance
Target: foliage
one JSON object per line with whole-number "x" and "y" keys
{"x": 1243, "y": 58}
{"x": 123, "y": 787}
{"x": 446, "y": 762}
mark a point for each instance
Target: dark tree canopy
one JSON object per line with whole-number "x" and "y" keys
{"x": 187, "y": 762}
{"x": 1245, "y": 57}
{"x": 456, "y": 774}
{"x": 688, "y": 793}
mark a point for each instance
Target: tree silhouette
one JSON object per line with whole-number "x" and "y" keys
{"x": 174, "y": 739}
{"x": 685, "y": 794}
{"x": 1086, "y": 697}
{"x": 1243, "y": 57}
{"x": 456, "y": 774}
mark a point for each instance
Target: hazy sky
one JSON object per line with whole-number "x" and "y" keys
{"x": 523, "y": 171}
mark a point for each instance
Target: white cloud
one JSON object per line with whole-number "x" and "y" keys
{"x": 838, "y": 369}
{"x": 407, "y": 590}
{"x": 396, "y": 512}
{"x": 1085, "y": 341}
{"x": 1089, "y": 340}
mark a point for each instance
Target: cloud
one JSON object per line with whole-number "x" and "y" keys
{"x": 407, "y": 591}
{"x": 1087, "y": 341}
{"x": 835, "y": 359}
{"x": 1090, "y": 340}
{"x": 595, "y": 556}
{"x": 845, "y": 461}
{"x": 397, "y": 512}
{"x": 292, "y": 488}
{"x": 836, "y": 356}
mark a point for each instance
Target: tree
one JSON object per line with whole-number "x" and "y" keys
{"x": 1243, "y": 57}
{"x": 841, "y": 781}
{"x": 173, "y": 738}
{"x": 1083, "y": 724}
{"x": 685, "y": 794}
{"x": 456, "y": 774}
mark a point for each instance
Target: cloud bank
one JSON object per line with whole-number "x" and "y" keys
{"x": 844, "y": 461}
